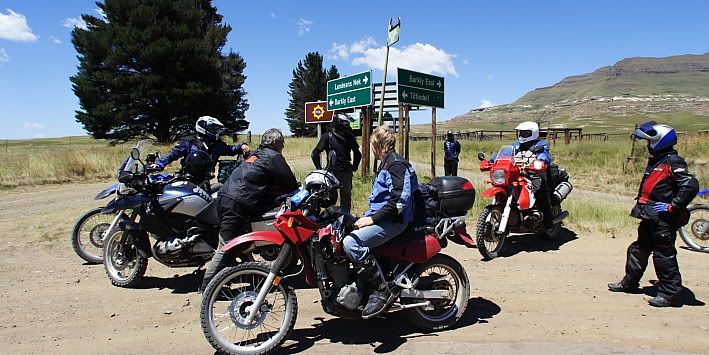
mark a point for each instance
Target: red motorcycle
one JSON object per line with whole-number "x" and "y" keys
{"x": 250, "y": 308}
{"x": 513, "y": 208}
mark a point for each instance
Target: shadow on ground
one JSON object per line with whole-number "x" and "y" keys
{"x": 383, "y": 334}
{"x": 180, "y": 284}
{"x": 534, "y": 243}
{"x": 686, "y": 296}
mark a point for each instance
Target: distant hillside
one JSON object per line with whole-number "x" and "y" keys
{"x": 673, "y": 89}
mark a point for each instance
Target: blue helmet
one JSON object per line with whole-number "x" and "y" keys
{"x": 659, "y": 136}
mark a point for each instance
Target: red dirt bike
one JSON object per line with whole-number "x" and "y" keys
{"x": 513, "y": 208}
{"x": 250, "y": 309}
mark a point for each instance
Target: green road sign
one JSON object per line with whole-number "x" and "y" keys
{"x": 355, "y": 98}
{"x": 419, "y": 88}
{"x": 350, "y": 91}
{"x": 423, "y": 97}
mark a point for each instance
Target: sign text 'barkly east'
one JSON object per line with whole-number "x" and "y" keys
{"x": 422, "y": 89}
{"x": 350, "y": 91}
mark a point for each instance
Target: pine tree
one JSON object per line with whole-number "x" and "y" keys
{"x": 309, "y": 84}
{"x": 150, "y": 68}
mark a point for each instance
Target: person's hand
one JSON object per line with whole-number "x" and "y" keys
{"x": 154, "y": 167}
{"x": 662, "y": 207}
{"x": 363, "y": 222}
{"x": 245, "y": 150}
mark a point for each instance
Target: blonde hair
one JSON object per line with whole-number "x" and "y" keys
{"x": 383, "y": 139}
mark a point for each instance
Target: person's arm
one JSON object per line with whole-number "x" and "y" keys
{"x": 180, "y": 150}
{"x": 544, "y": 156}
{"x": 356, "y": 155}
{"x": 283, "y": 175}
{"x": 399, "y": 175}
{"x": 687, "y": 184}
{"x": 319, "y": 148}
{"x": 232, "y": 150}
{"x": 457, "y": 147}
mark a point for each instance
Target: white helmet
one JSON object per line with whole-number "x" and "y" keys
{"x": 527, "y": 131}
{"x": 209, "y": 127}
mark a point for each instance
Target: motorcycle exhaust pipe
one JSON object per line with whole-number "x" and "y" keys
{"x": 561, "y": 217}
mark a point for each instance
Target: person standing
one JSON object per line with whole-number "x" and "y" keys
{"x": 665, "y": 190}
{"x": 340, "y": 140}
{"x": 451, "y": 148}
{"x": 250, "y": 191}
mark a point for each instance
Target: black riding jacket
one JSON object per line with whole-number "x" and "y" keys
{"x": 666, "y": 179}
{"x": 342, "y": 143}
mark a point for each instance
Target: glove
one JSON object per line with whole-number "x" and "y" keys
{"x": 662, "y": 207}
{"x": 154, "y": 167}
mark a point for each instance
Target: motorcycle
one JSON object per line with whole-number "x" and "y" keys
{"x": 250, "y": 308}
{"x": 513, "y": 208}
{"x": 696, "y": 232}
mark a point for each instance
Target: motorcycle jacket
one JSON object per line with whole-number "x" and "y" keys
{"x": 192, "y": 144}
{"x": 666, "y": 179}
{"x": 540, "y": 145}
{"x": 342, "y": 143}
{"x": 393, "y": 190}
{"x": 256, "y": 183}
{"x": 451, "y": 149}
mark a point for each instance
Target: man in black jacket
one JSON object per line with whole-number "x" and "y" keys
{"x": 665, "y": 191}
{"x": 250, "y": 191}
{"x": 342, "y": 141}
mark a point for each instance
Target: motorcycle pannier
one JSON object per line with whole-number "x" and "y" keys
{"x": 456, "y": 194}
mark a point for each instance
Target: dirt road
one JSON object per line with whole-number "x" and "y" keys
{"x": 540, "y": 297}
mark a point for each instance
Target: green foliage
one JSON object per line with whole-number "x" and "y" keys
{"x": 309, "y": 84}
{"x": 151, "y": 67}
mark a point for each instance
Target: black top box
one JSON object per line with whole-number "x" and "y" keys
{"x": 457, "y": 195}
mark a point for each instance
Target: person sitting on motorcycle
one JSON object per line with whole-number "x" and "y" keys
{"x": 250, "y": 191}
{"x": 391, "y": 209}
{"x": 208, "y": 138}
{"x": 528, "y": 141}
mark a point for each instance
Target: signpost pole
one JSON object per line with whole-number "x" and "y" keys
{"x": 384, "y": 84}
{"x": 365, "y": 119}
{"x": 319, "y": 131}
{"x": 400, "y": 135}
{"x": 433, "y": 142}
{"x": 407, "y": 123}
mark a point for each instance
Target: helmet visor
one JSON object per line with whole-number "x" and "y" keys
{"x": 647, "y": 131}
{"x": 524, "y": 134}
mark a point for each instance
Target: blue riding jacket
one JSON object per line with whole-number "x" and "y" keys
{"x": 193, "y": 144}
{"x": 393, "y": 190}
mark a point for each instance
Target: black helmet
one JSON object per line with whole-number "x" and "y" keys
{"x": 198, "y": 165}
{"x": 450, "y": 134}
{"x": 209, "y": 128}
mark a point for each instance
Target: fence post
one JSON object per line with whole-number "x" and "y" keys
{"x": 248, "y": 137}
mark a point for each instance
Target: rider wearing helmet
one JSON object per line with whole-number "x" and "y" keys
{"x": 208, "y": 138}
{"x": 342, "y": 141}
{"x": 666, "y": 189}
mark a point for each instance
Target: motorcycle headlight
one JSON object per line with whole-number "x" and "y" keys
{"x": 498, "y": 177}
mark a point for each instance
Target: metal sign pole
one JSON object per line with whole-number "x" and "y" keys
{"x": 319, "y": 131}
{"x": 433, "y": 142}
{"x": 400, "y": 133}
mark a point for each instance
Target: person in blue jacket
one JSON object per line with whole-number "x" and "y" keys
{"x": 391, "y": 209}
{"x": 208, "y": 138}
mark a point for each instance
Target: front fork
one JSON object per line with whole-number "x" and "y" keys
{"x": 505, "y": 215}
{"x": 271, "y": 281}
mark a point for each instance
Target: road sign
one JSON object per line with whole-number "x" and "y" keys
{"x": 416, "y": 88}
{"x": 315, "y": 112}
{"x": 393, "y": 34}
{"x": 350, "y": 91}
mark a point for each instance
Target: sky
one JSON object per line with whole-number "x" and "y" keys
{"x": 490, "y": 52}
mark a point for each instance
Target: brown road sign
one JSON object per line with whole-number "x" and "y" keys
{"x": 315, "y": 112}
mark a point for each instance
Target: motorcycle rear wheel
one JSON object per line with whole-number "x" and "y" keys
{"x": 226, "y": 302}
{"x": 124, "y": 265}
{"x": 489, "y": 242}
{"x": 446, "y": 312}
{"x": 696, "y": 233}
{"x": 88, "y": 235}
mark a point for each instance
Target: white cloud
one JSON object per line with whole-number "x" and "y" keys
{"x": 33, "y": 125}
{"x": 3, "y": 56}
{"x": 72, "y": 22}
{"x": 100, "y": 13}
{"x": 273, "y": 15}
{"x": 485, "y": 103}
{"x": 465, "y": 61}
{"x": 490, "y": 76}
{"x": 13, "y": 27}
{"x": 303, "y": 26}
{"x": 342, "y": 51}
{"x": 55, "y": 40}
{"x": 422, "y": 57}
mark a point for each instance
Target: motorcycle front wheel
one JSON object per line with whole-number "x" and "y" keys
{"x": 88, "y": 235}
{"x": 696, "y": 233}
{"x": 441, "y": 273}
{"x": 124, "y": 265}
{"x": 227, "y": 301}
{"x": 489, "y": 241}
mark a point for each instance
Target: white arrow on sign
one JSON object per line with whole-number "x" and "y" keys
{"x": 332, "y": 102}
{"x": 405, "y": 95}
{"x": 365, "y": 80}
{"x": 439, "y": 84}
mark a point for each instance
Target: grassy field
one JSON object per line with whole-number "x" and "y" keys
{"x": 595, "y": 166}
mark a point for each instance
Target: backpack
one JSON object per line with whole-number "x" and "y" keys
{"x": 426, "y": 205}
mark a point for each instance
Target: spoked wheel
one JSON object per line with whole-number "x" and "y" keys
{"x": 554, "y": 232}
{"x": 124, "y": 265}
{"x": 489, "y": 241}
{"x": 89, "y": 233}
{"x": 441, "y": 273}
{"x": 226, "y": 304}
{"x": 696, "y": 233}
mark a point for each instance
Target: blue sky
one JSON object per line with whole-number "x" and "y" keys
{"x": 491, "y": 52}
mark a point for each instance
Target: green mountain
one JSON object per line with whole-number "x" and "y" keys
{"x": 613, "y": 98}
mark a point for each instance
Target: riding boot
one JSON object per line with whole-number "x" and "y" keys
{"x": 371, "y": 275}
